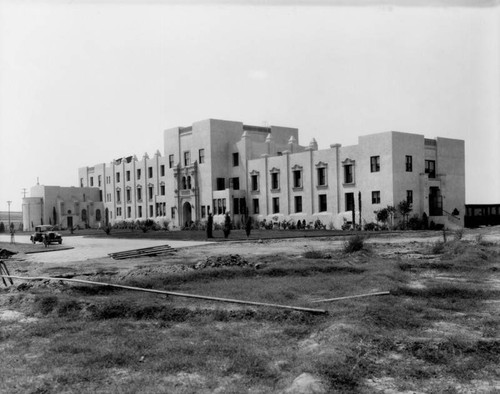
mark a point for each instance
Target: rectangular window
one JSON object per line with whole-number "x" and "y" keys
{"x": 128, "y": 175}
{"x": 187, "y": 158}
{"x": 128, "y": 195}
{"x": 172, "y": 212}
{"x": 409, "y": 163}
{"x": 81, "y": 182}
{"x": 430, "y": 168}
{"x": 100, "y": 197}
{"x": 348, "y": 178}
{"x": 139, "y": 211}
{"x": 349, "y": 201}
{"x": 322, "y": 176}
{"x": 99, "y": 180}
{"x": 376, "y": 197}
{"x": 129, "y": 212}
{"x": 375, "y": 163}
{"x": 151, "y": 212}
{"x": 117, "y": 177}
{"x": 201, "y": 156}
{"x": 203, "y": 212}
{"x": 118, "y": 196}
{"x": 108, "y": 197}
{"x": 170, "y": 161}
{"x": 119, "y": 211}
{"x": 409, "y": 196}
{"x": 162, "y": 170}
{"x": 139, "y": 193}
{"x": 150, "y": 172}
{"x": 255, "y": 203}
{"x": 223, "y": 205}
{"x": 275, "y": 180}
{"x": 322, "y": 203}
{"x": 297, "y": 178}
{"x": 236, "y": 159}
{"x": 221, "y": 183}
{"x": 236, "y": 183}
{"x": 91, "y": 181}
{"x": 298, "y": 204}
{"x": 108, "y": 179}
{"x": 162, "y": 190}
{"x": 138, "y": 173}
{"x": 150, "y": 192}
{"x": 276, "y": 205}
{"x": 255, "y": 183}
{"x": 243, "y": 206}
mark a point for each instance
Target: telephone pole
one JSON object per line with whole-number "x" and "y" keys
{"x": 9, "y": 202}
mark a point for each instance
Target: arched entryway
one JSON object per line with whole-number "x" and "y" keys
{"x": 186, "y": 214}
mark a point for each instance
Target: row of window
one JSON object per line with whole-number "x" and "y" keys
{"x": 376, "y": 196}
{"x": 128, "y": 193}
{"x": 201, "y": 158}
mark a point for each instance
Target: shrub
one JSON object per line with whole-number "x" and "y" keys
{"x": 2, "y": 227}
{"x": 371, "y": 226}
{"x": 458, "y": 234}
{"x": 438, "y": 247}
{"x": 354, "y": 244}
{"x": 313, "y": 254}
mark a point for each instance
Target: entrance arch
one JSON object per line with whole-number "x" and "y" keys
{"x": 186, "y": 213}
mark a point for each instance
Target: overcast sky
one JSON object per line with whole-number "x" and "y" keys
{"x": 84, "y": 83}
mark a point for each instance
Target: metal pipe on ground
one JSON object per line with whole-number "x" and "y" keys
{"x": 175, "y": 294}
{"x": 354, "y": 296}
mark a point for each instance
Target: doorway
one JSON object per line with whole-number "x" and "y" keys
{"x": 186, "y": 214}
{"x": 70, "y": 222}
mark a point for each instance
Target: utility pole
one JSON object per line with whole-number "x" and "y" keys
{"x": 10, "y": 226}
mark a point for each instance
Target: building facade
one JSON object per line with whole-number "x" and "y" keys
{"x": 217, "y": 166}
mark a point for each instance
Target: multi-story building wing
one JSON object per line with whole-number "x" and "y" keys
{"x": 217, "y": 166}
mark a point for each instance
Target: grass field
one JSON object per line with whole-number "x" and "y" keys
{"x": 438, "y": 330}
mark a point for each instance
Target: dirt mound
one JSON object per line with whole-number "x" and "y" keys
{"x": 223, "y": 261}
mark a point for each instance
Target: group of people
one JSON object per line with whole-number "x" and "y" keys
{"x": 226, "y": 228}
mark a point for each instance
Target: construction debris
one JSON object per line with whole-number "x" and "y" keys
{"x": 354, "y": 296}
{"x": 223, "y": 261}
{"x": 152, "y": 251}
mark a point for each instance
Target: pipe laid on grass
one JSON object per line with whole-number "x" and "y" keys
{"x": 354, "y": 296}
{"x": 296, "y": 308}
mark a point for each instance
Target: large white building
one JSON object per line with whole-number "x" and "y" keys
{"x": 216, "y": 166}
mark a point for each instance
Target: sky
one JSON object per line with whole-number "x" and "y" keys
{"x": 83, "y": 82}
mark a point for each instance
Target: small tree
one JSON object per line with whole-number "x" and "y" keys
{"x": 382, "y": 215}
{"x": 2, "y": 227}
{"x": 404, "y": 208}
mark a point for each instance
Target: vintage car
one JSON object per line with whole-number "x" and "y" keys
{"x": 46, "y": 234}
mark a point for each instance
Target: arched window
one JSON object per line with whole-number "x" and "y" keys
{"x": 189, "y": 182}
{"x": 84, "y": 215}
{"x": 184, "y": 182}
{"x": 98, "y": 214}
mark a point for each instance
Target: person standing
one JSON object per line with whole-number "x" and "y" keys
{"x": 210, "y": 225}
{"x": 227, "y": 225}
{"x": 248, "y": 225}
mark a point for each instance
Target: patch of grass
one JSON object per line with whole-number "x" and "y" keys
{"x": 313, "y": 254}
{"x": 438, "y": 247}
{"x": 448, "y": 290}
{"x": 392, "y": 315}
{"x": 354, "y": 244}
{"x": 45, "y": 304}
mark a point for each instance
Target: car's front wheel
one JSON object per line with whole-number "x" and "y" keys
{"x": 60, "y": 241}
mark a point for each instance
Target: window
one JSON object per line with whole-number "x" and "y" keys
{"x": 430, "y": 168}
{"x": 99, "y": 180}
{"x": 150, "y": 172}
{"x": 117, "y": 177}
{"x": 128, "y": 175}
{"x": 189, "y": 182}
{"x": 376, "y": 197}
{"x": 100, "y": 196}
{"x": 349, "y": 201}
{"x": 138, "y": 174}
{"x": 170, "y": 161}
{"x": 108, "y": 179}
{"x": 276, "y": 204}
{"x": 298, "y": 204}
{"x": 348, "y": 174}
{"x": 321, "y": 176}
{"x": 322, "y": 203}
{"x": 255, "y": 203}
{"x": 297, "y": 178}
{"x": 150, "y": 192}
{"x": 98, "y": 214}
{"x": 375, "y": 163}
{"x": 187, "y": 158}
{"x": 236, "y": 206}
{"x": 203, "y": 212}
{"x": 118, "y": 211}
{"x": 108, "y": 197}
{"x": 139, "y": 211}
{"x": 128, "y": 195}
{"x": 201, "y": 156}
{"x": 255, "y": 183}
{"x": 409, "y": 196}
{"x": 409, "y": 163}
{"x": 81, "y": 182}
{"x": 275, "y": 180}
{"x": 221, "y": 183}
{"x": 172, "y": 212}
{"x": 151, "y": 211}
{"x": 223, "y": 205}
{"x": 118, "y": 196}
{"x": 139, "y": 193}
{"x": 129, "y": 212}
{"x": 162, "y": 170}
{"x": 236, "y": 159}
{"x": 162, "y": 190}
{"x": 91, "y": 181}
{"x": 236, "y": 183}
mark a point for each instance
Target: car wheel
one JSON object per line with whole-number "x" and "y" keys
{"x": 60, "y": 242}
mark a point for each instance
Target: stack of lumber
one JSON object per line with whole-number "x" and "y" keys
{"x": 152, "y": 251}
